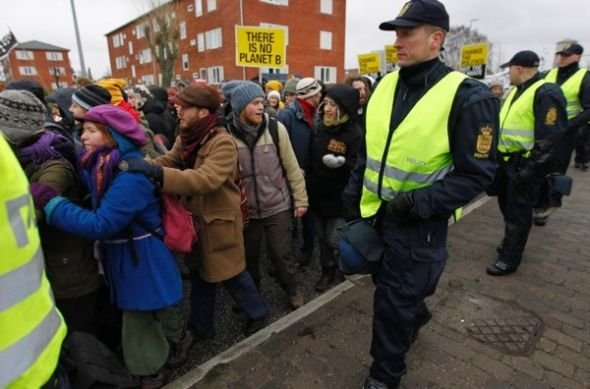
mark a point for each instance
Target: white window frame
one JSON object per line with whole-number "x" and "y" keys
{"x": 211, "y": 5}
{"x": 24, "y": 55}
{"x": 198, "y": 8}
{"x": 130, "y": 47}
{"x": 201, "y": 42}
{"x": 272, "y": 25}
{"x": 118, "y": 39}
{"x": 182, "y": 29}
{"x": 325, "y": 40}
{"x": 27, "y": 70}
{"x": 54, "y": 55}
{"x": 326, "y": 74}
{"x": 145, "y": 56}
{"x": 133, "y": 72}
{"x": 284, "y": 3}
{"x": 326, "y": 7}
{"x": 215, "y": 74}
{"x": 148, "y": 79}
{"x": 203, "y": 73}
{"x": 185, "y": 63}
{"x": 61, "y": 71}
{"x": 120, "y": 62}
{"x": 213, "y": 39}
{"x": 140, "y": 30}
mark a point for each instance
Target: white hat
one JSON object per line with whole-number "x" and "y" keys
{"x": 307, "y": 87}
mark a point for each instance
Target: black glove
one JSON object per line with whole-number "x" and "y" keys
{"x": 524, "y": 178}
{"x": 400, "y": 208}
{"x": 152, "y": 171}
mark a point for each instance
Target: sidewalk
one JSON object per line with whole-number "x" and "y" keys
{"x": 530, "y": 329}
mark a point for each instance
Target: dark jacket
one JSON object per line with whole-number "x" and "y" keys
{"x": 474, "y": 108}
{"x": 300, "y": 133}
{"x": 326, "y": 184}
{"x": 159, "y": 118}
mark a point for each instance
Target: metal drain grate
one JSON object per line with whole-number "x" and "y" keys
{"x": 516, "y": 336}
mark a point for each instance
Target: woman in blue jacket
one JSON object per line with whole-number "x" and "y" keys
{"x": 141, "y": 271}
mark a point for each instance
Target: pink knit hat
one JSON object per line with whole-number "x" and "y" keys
{"x": 118, "y": 120}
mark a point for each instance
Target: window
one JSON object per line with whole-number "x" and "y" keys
{"x": 54, "y": 56}
{"x": 133, "y": 74}
{"x": 60, "y": 71}
{"x": 326, "y": 74}
{"x": 203, "y": 73}
{"x": 145, "y": 56}
{"x": 120, "y": 62}
{"x": 190, "y": 7}
{"x": 118, "y": 40}
{"x": 200, "y": 42}
{"x": 182, "y": 29}
{"x": 286, "y": 28}
{"x": 198, "y": 8}
{"x": 55, "y": 86}
{"x": 148, "y": 79}
{"x": 185, "y": 62}
{"x": 27, "y": 70}
{"x": 24, "y": 54}
{"x": 277, "y": 2}
{"x": 213, "y": 39}
{"x": 211, "y": 5}
{"x": 326, "y": 7}
{"x": 156, "y": 25}
{"x": 130, "y": 47}
{"x": 140, "y": 30}
{"x": 215, "y": 74}
{"x": 325, "y": 40}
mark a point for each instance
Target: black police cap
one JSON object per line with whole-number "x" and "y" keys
{"x": 572, "y": 48}
{"x": 525, "y": 58}
{"x": 417, "y": 12}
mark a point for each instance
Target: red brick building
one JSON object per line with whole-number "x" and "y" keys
{"x": 314, "y": 31}
{"x": 47, "y": 64}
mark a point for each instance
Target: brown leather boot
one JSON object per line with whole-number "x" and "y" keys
{"x": 326, "y": 279}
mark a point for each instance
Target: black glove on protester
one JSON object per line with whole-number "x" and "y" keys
{"x": 151, "y": 171}
{"x": 400, "y": 208}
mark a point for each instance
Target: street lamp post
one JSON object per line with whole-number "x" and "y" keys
{"x": 82, "y": 64}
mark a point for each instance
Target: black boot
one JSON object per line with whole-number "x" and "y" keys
{"x": 326, "y": 279}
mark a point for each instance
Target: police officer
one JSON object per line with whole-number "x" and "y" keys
{"x": 430, "y": 149}
{"x": 575, "y": 84}
{"x": 31, "y": 328}
{"x": 532, "y": 121}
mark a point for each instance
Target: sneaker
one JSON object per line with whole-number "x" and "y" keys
{"x": 296, "y": 300}
{"x": 500, "y": 268}
{"x": 373, "y": 383}
{"x": 179, "y": 351}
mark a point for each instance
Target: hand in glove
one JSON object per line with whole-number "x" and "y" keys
{"x": 152, "y": 171}
{"x": 400, "y": 208}
{"x": 524, "y": 178}
{"x": 42, "y": 193}
{"x": 332, "y": 161}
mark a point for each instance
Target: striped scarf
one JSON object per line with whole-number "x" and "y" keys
{"x": 102, "y": 166}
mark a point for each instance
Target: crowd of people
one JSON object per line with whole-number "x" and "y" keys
{"x": 306, "y": 158}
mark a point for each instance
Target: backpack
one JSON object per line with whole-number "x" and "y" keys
{"x": 91, "y": 365}
{"x": 180, "y": 228}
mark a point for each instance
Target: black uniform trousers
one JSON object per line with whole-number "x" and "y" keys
{"x": 583, "y": 144}
{"x": 414, "y": 259}
{"x": 516, "y": 205}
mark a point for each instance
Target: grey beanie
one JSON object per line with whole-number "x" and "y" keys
{"x": 291, "y": 85}
{"x": 228, "y": 87}
{"x": 22, "y": 115}
{"x": 244, "y": 94}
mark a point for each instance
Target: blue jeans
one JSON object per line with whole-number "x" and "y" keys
{"x": 242, "y": 290}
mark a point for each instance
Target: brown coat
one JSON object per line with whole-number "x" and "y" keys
{"x": 209, "y": 191}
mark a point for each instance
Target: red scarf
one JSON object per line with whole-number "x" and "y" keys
{"x": 308, "y": 111}
{"x": 193, "y": 138}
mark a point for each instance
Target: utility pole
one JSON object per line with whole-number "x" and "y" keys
{"x": 82, "y": 64}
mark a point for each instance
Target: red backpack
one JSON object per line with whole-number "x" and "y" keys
{"x": 180, "y": 228}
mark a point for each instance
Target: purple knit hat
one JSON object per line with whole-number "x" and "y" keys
{"x": 117, "y": 119}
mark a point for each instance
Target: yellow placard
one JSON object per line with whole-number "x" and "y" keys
{"x": 260, "y": 47}
{"x": 390, "y": 54}
{"x": 369, "y": 63}
{"x": 475, "y": 54}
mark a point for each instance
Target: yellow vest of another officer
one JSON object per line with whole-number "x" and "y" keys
{"x": 31, "y": 328}
{"x": 418, "y": 153}
{"x": 517, "y": 121}
{"x": 571, "y": 90}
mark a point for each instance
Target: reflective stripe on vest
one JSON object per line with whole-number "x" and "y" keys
{"x": 571, "y": 90}
{"x": 517, "y": 121}
{"x": 419, "y": 152}
{"x": 32, "y": 329}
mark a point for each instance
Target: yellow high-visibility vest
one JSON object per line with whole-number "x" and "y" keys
{"x": 517, "y": 121}
{"x": 31, "y": 328}
{"x": 419, "y": 153}
{"x": 570, "y": 89}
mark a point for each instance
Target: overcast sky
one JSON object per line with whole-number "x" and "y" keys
{"x": 511, "y": 25}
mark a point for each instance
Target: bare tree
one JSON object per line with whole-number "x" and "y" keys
{"x": 456, "y": 39}
{"x": 161, "y": 29}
